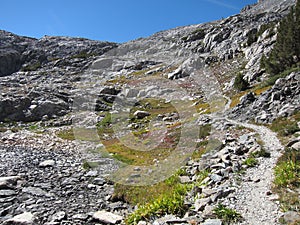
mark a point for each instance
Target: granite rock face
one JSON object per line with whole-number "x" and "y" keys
{"x": 281, "y": 100}
{"x": 41, "y": 77}
{"x": 36, "y": 74}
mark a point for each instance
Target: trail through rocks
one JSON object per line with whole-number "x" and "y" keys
{"x": 254, "y": 200}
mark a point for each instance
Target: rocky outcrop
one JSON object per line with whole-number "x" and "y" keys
{"x": 37, "y": 73}
{"x": 281, "y": 100}
{"x": 47, "y": 71}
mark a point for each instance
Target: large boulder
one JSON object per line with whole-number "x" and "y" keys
{"x": 10, "y": 62}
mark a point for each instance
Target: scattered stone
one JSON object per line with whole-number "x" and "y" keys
{"x": 91, "y": 173}
{"x": 212, "y": 222}
{"x": 107, "y": 217}
{"x": 142, "y": 223}
{"x": 7, "y": 193}
{"x": 296, "y": 146}
{"x": 216, "y": 178}
{"x": 141, "y": 114}
{"x": 80, "y": 217}
{"x": 201, "y": 203}
{"x": 291, "y": 217}
{"x": 8, "y": 182}
{"x": 185, "y": 179}
{"x": 35, "y": 191}
{"x": 47, "y": 163}
{"x": 24, "y": 218}
{"x": 59, "y": 216}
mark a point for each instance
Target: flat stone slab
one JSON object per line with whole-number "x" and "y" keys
{"x": 24, "y": 218}
{"x": 47, "y": 163}
{"x": 212, "y": 222}
{"x": 107, "y": 217}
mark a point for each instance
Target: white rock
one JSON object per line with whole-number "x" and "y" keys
{"x": 107, "y": 217}
{"x": 9, "y": 179}
{"x": 296, "y": 146}
{"x": 24, "y": 218}
{"x": 47, "y": 163}
{"x": 201, "y": 203}
{"x": 212, "y": 222}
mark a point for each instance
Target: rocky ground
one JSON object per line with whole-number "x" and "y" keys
{"x": 51, "y": 184}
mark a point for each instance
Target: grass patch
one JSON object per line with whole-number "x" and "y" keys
{"x": 235, "y": 100}
{"x": 66, "y": 134}
{"x": 141, "y": 158}
{"x": 261, "y": 153}
{"x": 258, "y": 90}
{"x": 144, "y": 194}
{"x": 227, "y": 215}
{"x": 272, "y": 79}
{"x": 89, "y": 165}
{"x": 287, "y": 180}
{"x": 287, "y": 170}
{"x": 79, "y": 134}
{"x": 203, "y": 108}
{"x": 285, "y": 127}
{"x": 169, "y": 202}
{"x": 204, "y": 131}
{"x": 287, "y": 174}
{"x": 83, "y": 55}
{"x": 166, "y": 197}
{"x": 201, "y": 175}
{"x": 250, "y": 162}
{"x": 200, "y": 149}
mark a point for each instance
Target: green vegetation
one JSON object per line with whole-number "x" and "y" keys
{"x": 261, "y": 153}
{"x": 287, "y": 170}
{"x": 286, "y": 127}
{"x": 83, "y": 55}
{"x": 204, "y": 131}
{"x": 287, "y": 180}
{"x": 250, "y": 162}
{"x": 271, "y": 80}
{"x": 159, "y": 199}
{"x": 227, "y": 215}
{"x": 253, "y": 35}
{"x": 168, "y": 203}
{"x": 89, "y": 165}
{"x": 286, "y": 52}
{"x": 202, "y": 175}
{"x": 240, "y": 83}
{"x": 287, "y": 174}
{"x": 66, "y": 134}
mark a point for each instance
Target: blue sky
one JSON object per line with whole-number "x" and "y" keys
{"x": 109, "y": 20}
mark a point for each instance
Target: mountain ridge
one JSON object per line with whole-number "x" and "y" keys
{"x": 91, "y": 129}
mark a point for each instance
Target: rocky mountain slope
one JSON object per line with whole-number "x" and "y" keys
{"x": 79, "y": 115}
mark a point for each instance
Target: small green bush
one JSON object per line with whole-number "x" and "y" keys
{"x": 240, "y": 83}
{"x": 262, "y": 153}
{"x": 167, "y": 203}
{"x": 227, "y": 215}
{"x": 250, "y": 162}
{"x": 287, "y": 173}
{"x": 89, "y": 165}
